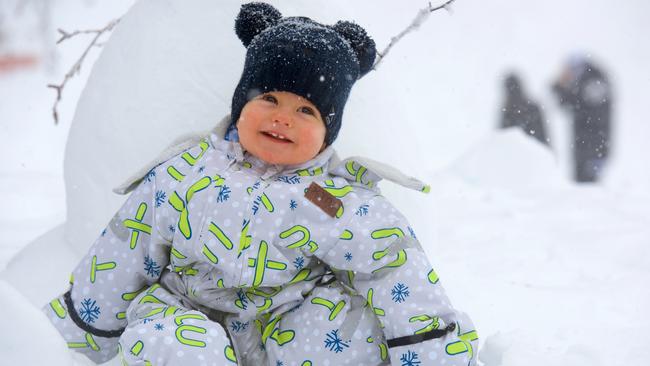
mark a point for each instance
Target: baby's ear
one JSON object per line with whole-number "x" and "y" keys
{"x": 253, "y": 18}
{"x": 361, "y": 43}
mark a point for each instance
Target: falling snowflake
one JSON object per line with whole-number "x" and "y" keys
{"x": 224, "y": 193}
{"x": 149, "y": 177}
{"x": 412, "y": 232}
{"x": 299, "y": 262}
{"x": 294, "y": 179}
{"x": 160, "y": 198}
{"x": 151, "y": 267}
{"x": 362, "y": 210}
{"x": 334, "y": 343}
{"x": 238, "y": 326}
{"x": 89, "y": 311}
{"x": 159, "y": 326}
{"x": 400, "y": 292}
{"x": 241, "y": 296}
{"x": 348, "y": 256}
{"x": 292, "y": 205}
{"x": 410, "y": 359}
{"x": 171, "y": 228}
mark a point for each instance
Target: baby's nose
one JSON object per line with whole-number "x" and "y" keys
{"x": 282, "y": 118}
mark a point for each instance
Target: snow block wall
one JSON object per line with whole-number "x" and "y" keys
{"x": 167, "y": 71}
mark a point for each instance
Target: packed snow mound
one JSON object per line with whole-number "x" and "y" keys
{"x": 509, "y": 159}
{"x": 40, "y": 343}
{"x": 157, "y": 79}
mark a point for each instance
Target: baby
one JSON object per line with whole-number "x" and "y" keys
{"x": 258, "y": 246}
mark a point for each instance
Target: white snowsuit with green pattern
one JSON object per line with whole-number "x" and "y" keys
{"x": 218, "y": 258}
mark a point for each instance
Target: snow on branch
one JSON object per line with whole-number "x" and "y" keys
{"x": 420, "y": 18}
{"x": 76, "y": 68}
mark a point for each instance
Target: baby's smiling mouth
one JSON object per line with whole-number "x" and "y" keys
{"x": 278, "y": 137}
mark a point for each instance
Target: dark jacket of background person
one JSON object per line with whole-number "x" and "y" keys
{"x": 585, "y": 92}
{"x": 519, "y": 111}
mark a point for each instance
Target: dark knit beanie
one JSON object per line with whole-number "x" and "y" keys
{"x": 298, "y": 55}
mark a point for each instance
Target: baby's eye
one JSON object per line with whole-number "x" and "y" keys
{"x": 269, "y": 98}
{"x": 307, "y": 110}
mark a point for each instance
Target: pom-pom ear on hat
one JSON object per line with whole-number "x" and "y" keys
{"x": 361, "y": 43}
{"x": 253, "y": 18}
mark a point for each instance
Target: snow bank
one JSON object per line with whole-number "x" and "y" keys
{"x": 511, "y": 160}
{"x": 33, "y": 340}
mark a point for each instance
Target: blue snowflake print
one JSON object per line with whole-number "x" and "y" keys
{"x": 362, "y": 210}
{"x": 400, "y": 292}
{"x": 294, "y": 179}
{"x": 159, "y": 326}
{"x": 150, "y": 176}
{"x": 238, "y": 326}
{"x": 160, "y": 198}
{"x": 334, "y": 343}
{"x": 103, "y": 232}
{"x": 151, "y": 267}
{"x": 224, "y": 194}
{"x": 348, "y": 256}
{"x": 412, "y": 232}
{"x": 256, "y": 205}
{"x": 241, "y": 296}
{"x": 279, "y": 363}
{"x": 171, "y": 228}
{"x": 256, "y": 185}
{"x": 146, "y": 320}
{"x": 410, "y": 359}
{"x": 299, "y": 262}
{"x": 293, "y": 205}
{"x": 201, "y": 169}
{"x": 89, "y": 311}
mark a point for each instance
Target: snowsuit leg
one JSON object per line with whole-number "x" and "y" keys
{"x": 161, "y": 331}
{"x": 331, "y": 327}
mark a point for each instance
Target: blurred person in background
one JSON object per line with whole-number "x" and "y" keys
{"x": 519, "y": 111}
{"x": 585, "y": 92}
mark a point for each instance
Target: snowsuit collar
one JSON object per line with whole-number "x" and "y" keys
{"x": 359, "y": 171}
{"x": 234, "y": 151}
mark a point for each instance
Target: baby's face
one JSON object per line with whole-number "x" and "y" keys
{"x": 281, "y": 128}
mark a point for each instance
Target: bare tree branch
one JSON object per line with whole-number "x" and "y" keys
{"x": 420, "y": 18}
{"x": 76, "y": 68}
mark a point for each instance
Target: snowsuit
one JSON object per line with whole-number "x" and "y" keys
{"x": 519, "y": 111}
{"x": 588, "y": 96}
{"x": 219, "y": 258}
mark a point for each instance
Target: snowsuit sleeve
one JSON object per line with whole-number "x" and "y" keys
{"x": 127, "y": 257}
{"x": 379, "y": 256}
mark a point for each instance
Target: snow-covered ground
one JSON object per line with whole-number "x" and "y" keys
{"x": 552, "y": 273}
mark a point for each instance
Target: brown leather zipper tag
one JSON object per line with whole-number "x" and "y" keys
{"x": 323, "y": 199}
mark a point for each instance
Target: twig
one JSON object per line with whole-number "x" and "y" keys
{"x": 76, "y": 68}
{"x": 420, "y": 18}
